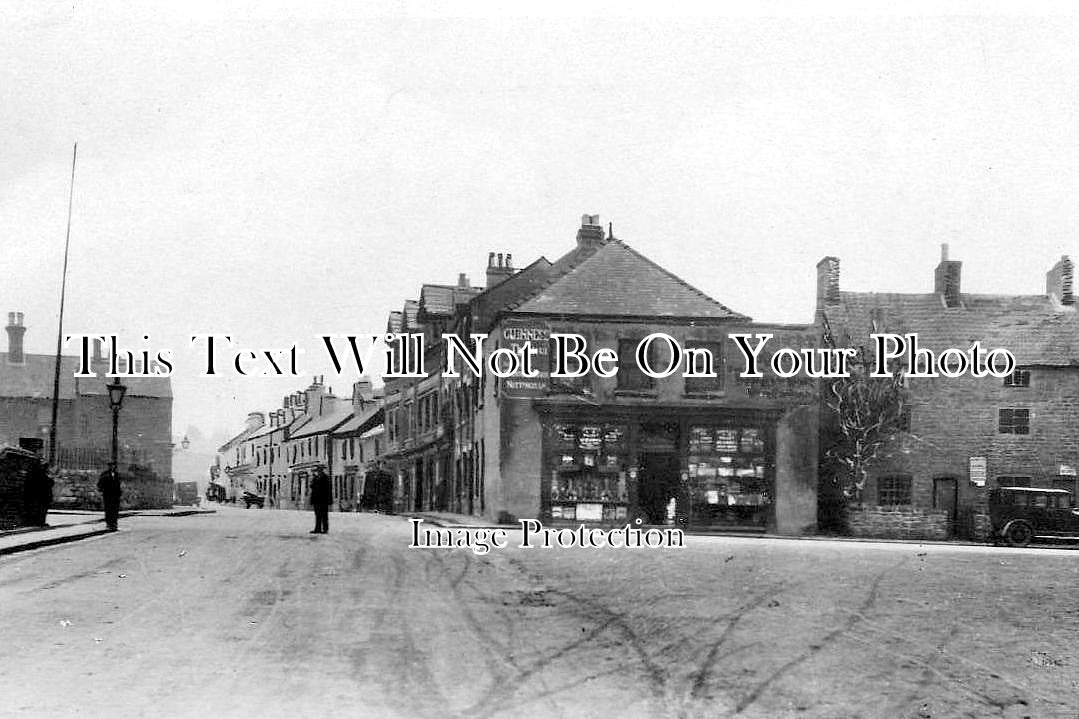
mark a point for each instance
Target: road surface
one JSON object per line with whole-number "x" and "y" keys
{"x": 243, "y": 613}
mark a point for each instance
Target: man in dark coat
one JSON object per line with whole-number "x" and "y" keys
{"x": 321, "y": 495}
{"x": 109, "y": 485}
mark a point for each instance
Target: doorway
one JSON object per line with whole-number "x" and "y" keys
{"x": 946, "y": 497}
{"x": 657, "y": 486}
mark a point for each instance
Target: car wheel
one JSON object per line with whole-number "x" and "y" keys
{"x": 1020, "y": 534}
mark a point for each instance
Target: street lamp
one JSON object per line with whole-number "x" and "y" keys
{"x": 116, "y": 399}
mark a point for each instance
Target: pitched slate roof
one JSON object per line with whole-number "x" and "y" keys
{"x": 325, "y": 423}
{"x": 616, "y": 280}
{"x": 362, "y": 421}
{"x": 1037, "y": 329}
{"x": 34, "y": 378}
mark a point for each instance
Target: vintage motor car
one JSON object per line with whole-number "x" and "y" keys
{"x": 1020, "y": 515}
{"x": 250, "y": 498}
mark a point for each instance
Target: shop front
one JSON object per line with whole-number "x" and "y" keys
{"x": 691, "y": 469}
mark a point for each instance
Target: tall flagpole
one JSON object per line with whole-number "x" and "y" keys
{"x": 60, "y": 323}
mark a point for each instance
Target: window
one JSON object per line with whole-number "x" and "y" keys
{"x": 893, "y": 490}
{"x": 1018, "y": 378}
{"x": 1014, "y": 421}
{"x": 1013, "y": 481}
{"x": 703, "y": 385}
{"x": 630, "y": 376}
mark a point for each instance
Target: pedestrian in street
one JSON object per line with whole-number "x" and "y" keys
{"x": 109, "y": 486}
{"x": 321, "y": 494}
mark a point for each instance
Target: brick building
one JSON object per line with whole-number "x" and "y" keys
{"x": 84, "y": 417}
{"x": 967, "y": 434}
{"x": 707, "y": 452}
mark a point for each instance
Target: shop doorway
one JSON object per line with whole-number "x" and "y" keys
{"x": 657, "y": 486}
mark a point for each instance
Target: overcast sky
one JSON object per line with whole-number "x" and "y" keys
{"x": 275, "y": 174}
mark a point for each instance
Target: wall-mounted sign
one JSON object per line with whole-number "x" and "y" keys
{"x": 1068, "y": 471}
{"x": 977, "y": 471}
{"x": 517, "y": 334}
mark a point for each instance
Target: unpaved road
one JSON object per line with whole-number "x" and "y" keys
{"x": 243, "y": 614}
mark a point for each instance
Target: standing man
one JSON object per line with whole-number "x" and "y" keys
{"x": 109, "y": 485}
{"x": 321, "y": 494}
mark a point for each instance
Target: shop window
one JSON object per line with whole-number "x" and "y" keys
{"x": 704, "y": 385}
{"x": 1014, "y": 421}
{"x": 630, "y": 376}
{"x": 1018, "y": 378}
{"x": 893, "y": 490}
{"x": 729, "y": 476}
{"x": 588, "y": 481}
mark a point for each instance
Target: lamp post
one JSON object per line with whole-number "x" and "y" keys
{"x": 116, "y": 400}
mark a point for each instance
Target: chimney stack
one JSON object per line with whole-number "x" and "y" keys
{"x": 500, "y": 270}
{"x": 1059, "y": 281}
{"x": 946, "y": 279}
{"x": 462, "y": 280}
{"x": 15, "y": 331}
{"x": 255, "y": 420}
{"x": 591, "y": 234}
{"x": 363, "y": 392}
{"x": 828, "y": 281}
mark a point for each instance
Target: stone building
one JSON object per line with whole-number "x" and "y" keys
{"x": 703, "y": 452}
{"x": 966, "y": 434}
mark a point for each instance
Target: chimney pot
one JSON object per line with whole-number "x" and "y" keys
{"x": 462, "y": 279}
{"x": 591, "y": 233}
{"x": 943, "y": 251}
{"x": 490, "y": 259}
{"x": 15, "y": 332}
{"x": 509, "y": 264}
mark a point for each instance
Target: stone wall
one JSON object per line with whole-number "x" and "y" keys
{"x": 77, "y": 489}
{"x": 897, "y": 523}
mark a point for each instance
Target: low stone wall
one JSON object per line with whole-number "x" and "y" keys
{"x": 77, "y": 489}
{"x": 897, "y": 523}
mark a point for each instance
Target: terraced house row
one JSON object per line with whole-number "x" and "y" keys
{"x": 704, "y": 453}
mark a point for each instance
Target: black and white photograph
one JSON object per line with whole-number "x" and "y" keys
{"x": 478, "y": 360}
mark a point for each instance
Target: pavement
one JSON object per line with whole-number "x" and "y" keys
{"x": 72, "y": 525}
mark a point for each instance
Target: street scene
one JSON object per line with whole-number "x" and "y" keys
{"x": 458, "y": 360}
{"x": 246, "y": 614}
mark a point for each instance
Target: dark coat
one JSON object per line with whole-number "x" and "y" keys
{"x": 109, "y": 485}
{"x": 321, "y": 492}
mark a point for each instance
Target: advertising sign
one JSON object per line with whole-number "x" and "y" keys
{"x": 519, "y": 335}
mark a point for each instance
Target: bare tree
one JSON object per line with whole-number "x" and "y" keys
{"x": 866, "y": 413}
